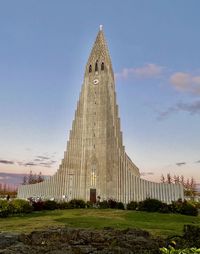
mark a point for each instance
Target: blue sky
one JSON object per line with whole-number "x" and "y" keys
{"x": 154, "y": 46}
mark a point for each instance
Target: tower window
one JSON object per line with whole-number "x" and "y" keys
{"x": 102, "y": 66}
{"x": 96, "y": 66}
{"x": 93, "y": 176}
{"x": 90, "y": 68}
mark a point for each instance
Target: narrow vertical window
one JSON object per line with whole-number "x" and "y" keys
{"x": 93, "y": 176}
{"x": 96, "y": 66}
{"x": 90, "y": 68}
{"x": 102, "y": 66}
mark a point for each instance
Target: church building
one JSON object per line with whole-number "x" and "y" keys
{"x": 95, "y": 163}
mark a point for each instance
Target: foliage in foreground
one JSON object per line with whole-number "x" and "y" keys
{"x": 172, "y": 250}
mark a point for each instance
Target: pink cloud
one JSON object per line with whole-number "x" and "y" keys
{"x": 185, "y": 82}
{"x": 147, "y": 71}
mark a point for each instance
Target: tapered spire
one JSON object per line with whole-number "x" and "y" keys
{"x": 100, "y": 52}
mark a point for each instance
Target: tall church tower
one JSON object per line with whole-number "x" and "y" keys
{"x": 95, "y": 163}
{"x": 95, "y": 144}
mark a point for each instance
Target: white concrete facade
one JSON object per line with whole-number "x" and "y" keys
{"x": 95, "y": 162}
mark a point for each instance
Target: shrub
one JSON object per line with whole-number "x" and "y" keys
{"x": 50, "y": 205}
{"x": 112, "y": 203}
{"x": 132, "y": 205}
{"x": 64, "y": 205}
{"x": 175, "y": 206}
{"x": 188, "y": 209}
{"x": 164, "y": 208}
{"x": 150, "y": 205}
{"x": 4, "y": 213}
{"x": 38, "y": 206}
{"x": 21, "y": 206}
{"x": 77, "y": 203}
{"x": 120, "y": 206}
{"x": 90, "y": 204}
{"x": 103, "y": 204}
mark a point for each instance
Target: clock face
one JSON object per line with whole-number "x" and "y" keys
{"x": 95, "y": 81}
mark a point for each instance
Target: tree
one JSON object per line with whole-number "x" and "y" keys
{"x": 162, "y": 179}
{"x": 169, "y": 178}
{"x": 33, "y": 178}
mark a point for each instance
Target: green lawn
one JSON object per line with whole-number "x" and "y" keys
{"x": 156, "y": 223}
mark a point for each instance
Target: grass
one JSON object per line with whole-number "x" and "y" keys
{"x": 156, "y": 223}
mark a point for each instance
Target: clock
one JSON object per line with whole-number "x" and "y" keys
{"x": 95, "y": 81}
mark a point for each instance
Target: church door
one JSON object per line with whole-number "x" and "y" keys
{"x": 93, "y": 195}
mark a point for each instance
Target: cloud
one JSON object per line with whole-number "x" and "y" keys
{"x": 30, "y": 164}
{"x": 185, "y": 82}
{"x": 4, "y": 177}
{"x": 146, "y": 173}
{"x": 147, "y": 71}
{"x": 43, "y": 157}
{"x": 7, "y": 162}
{"x": 191, "y": 108}
{"x": 197, "y": 161}
{"x": 179, "y": 164}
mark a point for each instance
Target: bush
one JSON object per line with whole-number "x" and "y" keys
{"x": 150, "y": 205}
{"x": 77, "y": 203}
{"x": 188, "y": 209}
{"x": 64, "y": 205}
{"x": 4, "y": 213}
{"x": 164, "y": 208}
{"x": 50, "y": 205}
{"x": 103, "y": 204}
{"x": 175, "y": 206}
{"x": 132, "y": 205}
{"x": 38, "y": 206}
{"x": 112, "y": 203}
{"x": 20, "y": 206}
{"x": 90, "y": 204}
{"x": 120, "y": 206}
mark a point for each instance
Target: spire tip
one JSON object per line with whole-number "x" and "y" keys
{"x": 101, "y": 27}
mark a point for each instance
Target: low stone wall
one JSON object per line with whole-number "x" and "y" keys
{"x": 78, "y": 241}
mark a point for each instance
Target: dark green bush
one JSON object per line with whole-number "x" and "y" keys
{"x": 175, "y": 206}
{"x": 4, "y": 213}
{"x": 150, "y": 205}
{"x": 64, "y": 205}
{"x": 120, "y": 206}
{"x": 188, "y": 209}
{"x": 133, "y": 205}
{"x": 103, "y": 204}
{"x": 90, "y": 204}
{"x": 112, "y": 203}
{"x": 38, "y": 206}
{"x": 164, "y": 208}
{"x": 77, "y": 203}
{"x": 50, "y": 205}
{"x": 20, "y": 206}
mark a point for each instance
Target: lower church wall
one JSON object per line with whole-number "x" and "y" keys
{"x": 133, "y": 188}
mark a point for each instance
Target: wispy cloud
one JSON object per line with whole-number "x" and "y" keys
{"x": 30, "y": 164}
{"x": 179, "y": 164}
{"x": 7, "y": 162}
{"x": 44, "y": 161}
{"x": 197, "y": 161}
{"x": 146, "y": 173}
{"x": 43, "y": 157}
{"x": 191, "y": 108}
{"x": 147, "y": 71}
{"x": 185, "y": 82}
